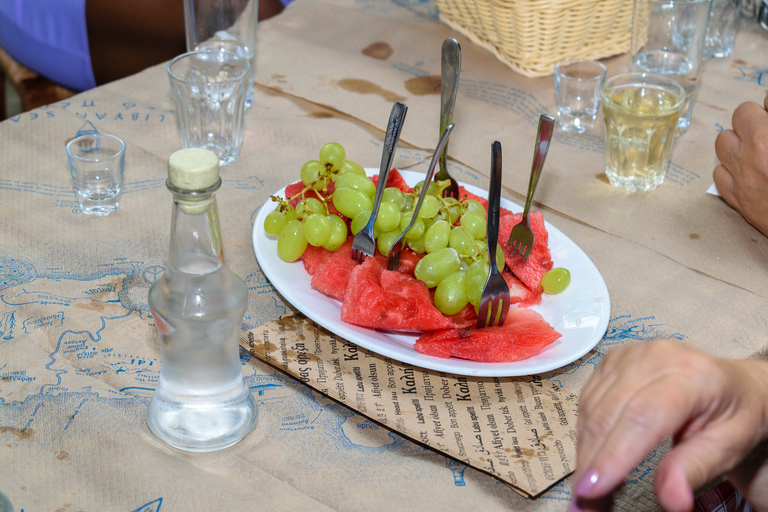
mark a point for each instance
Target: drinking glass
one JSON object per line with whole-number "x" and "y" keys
{"x": 97, "y": 165}
{"x": 209, "y": 89}
{"x": 640, "y": 113}
{"x": 224, "y": 25}
{"x": 668, "y": 38}
{"x": 722, "y": 28}
{"x": 577, "y": 93}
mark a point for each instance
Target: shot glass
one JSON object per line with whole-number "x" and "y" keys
{"x": 668, "y": 38}
{"x": 97, "y": 164}
{"x": 229, "y": 24}
{"x": 640, "y": 113}
{"x": 577, "y": 93}
{"x": 209, "y": 88}
{"x": 722, "y": 28}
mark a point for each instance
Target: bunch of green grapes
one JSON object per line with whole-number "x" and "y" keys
{"x": 310, "y": 223}
{"x": 451, "y": 234}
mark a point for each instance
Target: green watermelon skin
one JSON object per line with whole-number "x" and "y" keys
{"x": 528, "y": 271}
{"x": 524, "y": 334}
{"x": 377, "y": 298}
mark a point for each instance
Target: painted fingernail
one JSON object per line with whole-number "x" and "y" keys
{"x": 587, "y": 483}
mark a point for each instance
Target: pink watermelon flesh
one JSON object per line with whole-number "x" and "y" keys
{"x": 381, "y": 299}
{"x": 529, "y": 271}
{"x": 524, "y": 334}
{"x": 394, "y": 179}
{"x": 313, "y": 257}
{"x": 333, "y": 274}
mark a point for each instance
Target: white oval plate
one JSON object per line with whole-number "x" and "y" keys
{"x": 581, "y": 313}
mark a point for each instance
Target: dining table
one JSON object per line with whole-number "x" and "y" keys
{"x": 361, "y": 424}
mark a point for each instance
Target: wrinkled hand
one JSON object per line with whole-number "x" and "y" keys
{"x": 742, "y": 176}
{"x": 715, "y": 410}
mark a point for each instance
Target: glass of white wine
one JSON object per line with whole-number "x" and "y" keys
{"x": 640, "y": 114}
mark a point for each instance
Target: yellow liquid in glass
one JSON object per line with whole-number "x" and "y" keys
{"x": 639, "y": 128}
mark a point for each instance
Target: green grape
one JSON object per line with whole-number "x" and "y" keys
{"x": 275, "y": 220}
{"x": 474, "y": 206}
{"x": 474, "y": 225}
{"x": 310, "y": 175}
{"x": 291, "y": 241}
{"x": 433, "y": 267}
{"x": 350, "y": 202}
{"x": 417, "y": 245}
{"x": 385, "y": 240}
{"x": 360, "y": 221}
{"x": 451, "y": 294}
{"x": 556, "y": 280}
{"x": 333, "y": 153}
{"x": 437, "y": 236}
{"x": 317, "y": 229}
{"x": 338, "y": 233}
{"x": 454, "y": 212}
{"x": 395, "y": 196}
{"x": 362, "y": 183}
{"x": 500, "y": 261}
{"x": 352, "y": 168}
{"x": 429, "y": 207}
{"x": 416, "y": 231}
{"x": 460, "y": 241}
{"x": 309, "y": 205}
{"x": 477, "y": 275}
{"x": 388, "y": 217}
{"x": 431, "y": 189}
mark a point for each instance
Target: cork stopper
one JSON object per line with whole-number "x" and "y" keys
{"x": 194, "y": 170}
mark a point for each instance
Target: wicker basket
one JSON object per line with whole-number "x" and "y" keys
{"x": 531, "y": 36}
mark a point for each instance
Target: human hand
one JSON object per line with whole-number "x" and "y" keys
{"x": 715, "y": 410}
{"x": 742, "y": 176}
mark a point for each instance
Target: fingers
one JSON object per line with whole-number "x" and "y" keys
{"x": 747, "y": 118}
{"x": 724, "y": 182}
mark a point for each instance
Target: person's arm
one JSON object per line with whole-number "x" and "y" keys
{"x": 715, "y": 411}
{"x": 742, "y": 176}
{"x": 127, "y": 36}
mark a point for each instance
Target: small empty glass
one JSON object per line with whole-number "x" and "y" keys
{"x": 209, "y": 88}
{"x": 722, "y": 28}
{"x": 577, "y": 93}
{"x": 97, "y": 164}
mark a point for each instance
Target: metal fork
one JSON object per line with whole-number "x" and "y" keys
{"x": 393, "y": 258}
{"x": 521, "y": 238}
{"x": 494, "y": 303}
{"x": 364, "y": 244}
{"x": 450, "y": 68}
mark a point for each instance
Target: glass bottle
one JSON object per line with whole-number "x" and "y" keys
{"x": 201, "y": 402}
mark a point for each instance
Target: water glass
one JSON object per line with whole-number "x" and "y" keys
{"x": 577, "y": 93}
{"x": 209, "y": 88}
{"x": 224, "y": 24}
{"x": 640, "y": 113}
{"x": 97, "y": 165}
{"x": 722, "y": 28}
{"x": 668, "y": 38}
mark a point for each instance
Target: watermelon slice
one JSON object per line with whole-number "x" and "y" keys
{"x": 466, "y": 194}
{"x": 519, "y": 293}
{"x": 524, "y": 334}
{"x": 408, "y": 261}
{"x": 313, "y": 257}
{"x": 529, "y": 271}
{"x": 333, "y": 274}
{"x": 381, "y": 299}
{"x": 394, "y": 179}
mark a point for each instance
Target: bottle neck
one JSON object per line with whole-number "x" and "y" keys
{"x": 195, "y": 246}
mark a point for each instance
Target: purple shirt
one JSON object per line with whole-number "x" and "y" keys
{"x": 49, "y": 37}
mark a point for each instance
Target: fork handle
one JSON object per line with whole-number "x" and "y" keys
{"x": 391, "y": 138}
{"x": 494, "y": 204}
{"x": 450, "y": 68}
{"x": 543, "y": 138}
